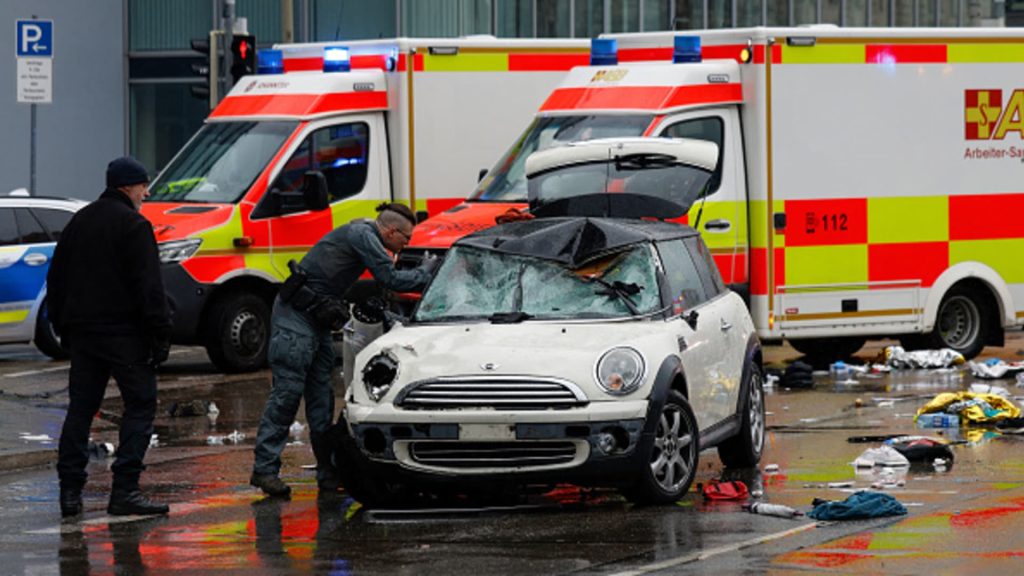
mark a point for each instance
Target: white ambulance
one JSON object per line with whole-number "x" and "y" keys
{"x": 321, "y": 136}
{"x": 870, "y": 181}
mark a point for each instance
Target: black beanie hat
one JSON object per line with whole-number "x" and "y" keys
{"x": 125, "y": 171}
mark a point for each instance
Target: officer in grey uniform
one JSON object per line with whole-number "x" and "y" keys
{"x": 307, "y": 309}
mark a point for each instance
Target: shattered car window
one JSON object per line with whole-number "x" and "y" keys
{"x": 479, "y": 284}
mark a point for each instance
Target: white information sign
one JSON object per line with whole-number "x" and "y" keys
{"x": 35, "y": 80}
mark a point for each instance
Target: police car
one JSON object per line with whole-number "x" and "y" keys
{"x": 29, "y": 229}
{"x": 594, "y": 344}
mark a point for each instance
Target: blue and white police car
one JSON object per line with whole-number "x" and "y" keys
{"x": 29, "y": 229}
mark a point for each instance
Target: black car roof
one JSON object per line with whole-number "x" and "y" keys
{"x": 573, "y": 241}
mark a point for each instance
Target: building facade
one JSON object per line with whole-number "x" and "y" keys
{"x": 123, "y": 69}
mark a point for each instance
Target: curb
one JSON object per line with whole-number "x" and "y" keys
{"x": 24, "y": 460}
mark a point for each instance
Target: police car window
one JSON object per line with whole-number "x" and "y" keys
{"x": 712, "y": 280}
{"x": 710, "y": 129}
{"x": 31, "y": 230}
{"x": 685, "y": 286}
{"x": 53, "y": 220}
{"x": 340, "y": 152}
{"x": 8, "y": 228}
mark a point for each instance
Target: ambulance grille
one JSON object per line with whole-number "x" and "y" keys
{"x": 493, "y": 393}
{"x": 468, "y": 455}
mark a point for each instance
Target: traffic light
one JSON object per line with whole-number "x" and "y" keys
{"x": 209, "y": 70}
{"x": 243, "y": 56}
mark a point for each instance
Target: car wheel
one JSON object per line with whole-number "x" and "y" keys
{"x": 238, "y": 332}
{"x": 358, "y": 478}
{"x": 961, "y": 323}
{"x": 46, "y": 339}
{"x": 744, "y": 449}
{"x": 669, "y": 456}
{"x": 828, "y": 348}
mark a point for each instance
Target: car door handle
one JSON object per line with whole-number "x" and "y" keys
{"x": 35, "y": 259}
{"x": 725, "y": 325}
{"x": 720, "y": 225}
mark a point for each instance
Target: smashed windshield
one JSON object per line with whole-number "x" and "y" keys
{"x": 480, "y": 284}
{"x": 221, "y": 162}
{"x": 506, "y": 182}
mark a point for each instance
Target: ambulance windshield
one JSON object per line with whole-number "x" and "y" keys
{"x": 506, "y": 182}
{"x": 221, "y": 162}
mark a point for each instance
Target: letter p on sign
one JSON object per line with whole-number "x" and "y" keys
{"x": 35, "y": 38}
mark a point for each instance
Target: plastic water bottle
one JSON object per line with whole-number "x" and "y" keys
{"x": 839, "y": 371}
{"x": 780, "y": 510}
{"x": 939, "y": 420}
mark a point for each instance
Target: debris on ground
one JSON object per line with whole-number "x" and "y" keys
{"x": 154, "y": 441}
{"x": 296, "y": 428}
{"x": 100, "y": 449}
{"x": 767, "y": 509}
{"x": 858, "y": 506}
{"x": 897, "y": 357}
{"x": 233, "y": 438}
{"x": 729, "y": 490}
{"x": 798, "y": 375}
{"x": 885, "y": 456}
{"x": 921, "y": 448}
{"x": 995, "y": 368}
{"x": 191, "y": 408}
{"x": 970, "y": 407}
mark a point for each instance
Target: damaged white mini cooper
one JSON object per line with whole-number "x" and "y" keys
{"x": 571, "y": 347}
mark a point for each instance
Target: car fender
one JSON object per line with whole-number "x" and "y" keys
{"x": 750, "y": 362}
{"x": 671, "y": 368}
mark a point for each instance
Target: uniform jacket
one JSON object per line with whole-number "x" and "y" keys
{"x": 105, "y": 274}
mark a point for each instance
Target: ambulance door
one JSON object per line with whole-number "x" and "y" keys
{"x": 351, "y": 154}
{"x": 723, "y": 216}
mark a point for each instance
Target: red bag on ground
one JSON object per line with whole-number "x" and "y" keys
{"x": 732, "y": 490}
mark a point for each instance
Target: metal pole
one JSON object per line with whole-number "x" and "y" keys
{"x": 705, "y": 18}
{"x": 229, "y": 32}
{"x": 32, "y": 152}
{"x": 607, "y": 13}
{"x": 817, "y": 12}
{"x": 287, "y": 22}
{"x": 842, "y": 12}
{"x": 764, "y": 12}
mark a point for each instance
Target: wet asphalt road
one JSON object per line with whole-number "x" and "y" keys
{"x": 963, "y": 520}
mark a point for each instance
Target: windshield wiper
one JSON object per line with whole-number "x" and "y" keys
{"x": 509, "y": 317}
{"x": 622, "y": 291}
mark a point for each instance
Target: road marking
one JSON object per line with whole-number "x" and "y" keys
{"x": 32, "y": 372}
{"x": 697, "y": 556}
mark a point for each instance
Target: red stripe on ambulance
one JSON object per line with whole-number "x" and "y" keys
{"x": 640, "y": 97}
{"x": 923, "y": 260}
{"x": 905, "y": 54}
{"x": 986, "y": 216}
{"x": 826, "y": 222}
{"x": 299, "y": 104}
{"x": 545, "y": 62}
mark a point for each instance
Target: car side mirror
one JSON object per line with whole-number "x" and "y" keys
{"x": 691, "y": 319}
{"x": 314, "y": 190}
{"x": 480, "y": 175}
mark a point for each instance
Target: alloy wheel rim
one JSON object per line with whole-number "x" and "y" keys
{"x": 756, "y": 413}
{"x": 959, "y": 322}
{"x": 673, "y": 457}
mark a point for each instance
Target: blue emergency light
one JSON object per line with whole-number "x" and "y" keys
{"x": 603, "y": 52}
{"x": 336, "y": 59}
{"x": 686, "y": 49}
{"x": 269, "y": 61}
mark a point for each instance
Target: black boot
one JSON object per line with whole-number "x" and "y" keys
{"x": 70, "y": 502}
{"x": 133, "y": 503}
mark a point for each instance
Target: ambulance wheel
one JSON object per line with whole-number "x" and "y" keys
{"x": 238, "y": 332}
{"x": 745, "y": 448}
{"x": 669, "y": 462}
{"x": 46, "y": 339}
{"x": 962, "y": 322}
{"x": 829, "y": 349}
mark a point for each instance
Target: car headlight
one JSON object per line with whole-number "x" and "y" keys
{"x": 620, "y": 371}
{"x": 178, "y": 250}
{"x": 379, "y": 374}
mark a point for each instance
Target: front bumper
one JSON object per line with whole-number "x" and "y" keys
{"x": 188, "y": 299}
{"x": 586, "y": 446}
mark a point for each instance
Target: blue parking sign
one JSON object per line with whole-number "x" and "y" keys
{"x": 35, "y": 38}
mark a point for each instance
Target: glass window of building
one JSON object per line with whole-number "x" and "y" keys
{"x": 162, "y": 25}
{"x": 748, "y": 13}
{"x": 805, "y": 12}
{"x": 625, "y": 15}
{"x": 554, "y": 19}
{"x": 778, "y": 12}
{"x": 950, "y": 13}
{"x": 719, "y": 13}
{"x": 589, "y": 18}
{"x": 689, "y": 14}
{"x": 830, "y": 11}
{"x": 879, "y": 12}
{"x": 856, "y": 13}
{"x": 161, "y": 118}
{"x": 515, "y": 18}
{"x": 352, "y": 20}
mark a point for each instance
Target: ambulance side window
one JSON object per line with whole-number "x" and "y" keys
{"x": 710, "y": 129}
{"x": 684, "y": 282}
{"x": 341, "y": 152}
{"x": 8, "y": 229}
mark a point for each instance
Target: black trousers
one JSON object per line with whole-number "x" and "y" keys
{"x": 94, "y": 359}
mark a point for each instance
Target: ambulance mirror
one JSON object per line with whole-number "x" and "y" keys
{"x": 421, "y": 215}
{"x": 480, "y": 175}
{"x": 314, "y": 190}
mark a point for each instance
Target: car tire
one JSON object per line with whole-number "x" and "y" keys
{"x": 46, "y": 339}
{"x": 745, "y": 448}
{"x": 358, "y": 478}
{"x": 669, "y": 455}
{"x": 961, "y": 323}
{"x": 828, "y": 349}
{"x": 238, "y": 332}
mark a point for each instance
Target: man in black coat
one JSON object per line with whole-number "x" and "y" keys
{"x": 106, "y": 298}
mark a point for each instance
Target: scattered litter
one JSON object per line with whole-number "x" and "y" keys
{"x": 1011, "y": 426}
{"x": 939, "y": 464}
{"x": 921, "y": 448}
{"x": 780, "y": 510}
{"x": 296, "y": 428}
{"x": 858, "y": 506}
{"x": 215, "y": 440}
{"x": 731, "y": 490}
{"x": 885, "y": 456}
{"x": 756, "y": 493}
{"x": 1020, "y": 379}
{"x": 154, "y": 441}
{"x": 212, "y": 409}
{"x": 770, "y": 468}
{"x": 971, "y": 407}
{"x": 885, "y": 403}
{"x": 994, "y": 368}
{"x": 100, "y": 449}
{"x": 847, "y": 484}
{"x": 234, "y": 438}
{"x": 27, "y": 437}
{"x": 938, "y": 421}
{"x": 798, "y": 375}
{"x": 190, "y": 408}
{"x": 897, "y": 357}
{"x": 979, "y": 388}
{"x": 770, "y": 380}
{"x": 839, "y": 371}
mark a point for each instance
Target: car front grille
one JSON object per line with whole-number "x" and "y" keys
{"x": 492, "y": 392}
{"x": 511, "y": 454}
